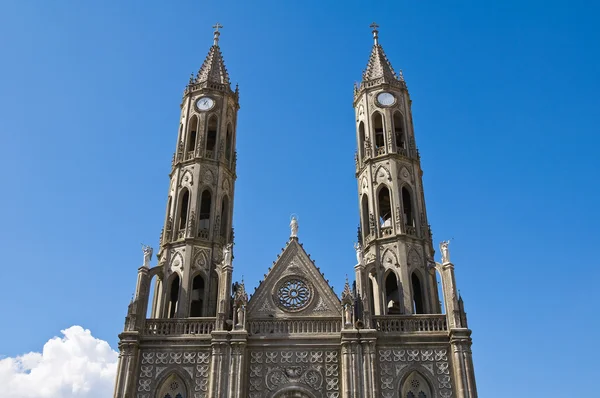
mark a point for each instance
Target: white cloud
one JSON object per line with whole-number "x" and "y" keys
{"x": 75, "y": 366}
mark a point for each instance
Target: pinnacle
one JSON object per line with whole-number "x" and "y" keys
{"x": 379, "y": 66}
{"x": 213, "y": 69}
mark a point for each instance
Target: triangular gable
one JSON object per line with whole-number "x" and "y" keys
{"x": 294, "y": 288}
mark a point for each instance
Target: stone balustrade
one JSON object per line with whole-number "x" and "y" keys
{"x": 293, "y": 326}
{"x": 411, "y": 323}
{"x": 178, "y": 327}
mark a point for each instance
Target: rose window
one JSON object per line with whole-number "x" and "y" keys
{"x": 293, "y": 294}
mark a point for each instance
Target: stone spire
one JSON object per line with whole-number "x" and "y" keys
{"x": 213, "y": 69}
{"x": 378, "y": 65}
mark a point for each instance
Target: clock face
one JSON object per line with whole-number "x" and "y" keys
{"x": 205, "y": 103}
{"x": 386, "y": 99}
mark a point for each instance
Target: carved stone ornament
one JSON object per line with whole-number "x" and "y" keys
{"x": 293, "y": 294}
{"x": 395, "y": 363}
{"x": 200, "y": 258}
{"x": 272, "y": 371}
{"x": 207, "y": 177}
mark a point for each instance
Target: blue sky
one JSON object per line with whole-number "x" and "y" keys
{"x": 505, "y": 107}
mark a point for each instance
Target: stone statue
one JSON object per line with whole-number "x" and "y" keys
{"x": 359, "y": 253}
{"x": 445, "y": 252}
{"x": 294, "y": 227}
{"x": 240, "y": 316}
{"x": 227, "y": 254}
{"x": 147, "y": 255}
{"x": 348, "y": 314}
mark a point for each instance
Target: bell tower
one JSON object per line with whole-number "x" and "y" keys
{"x": 197, "y": 228}
{"x": 396, "y": 275}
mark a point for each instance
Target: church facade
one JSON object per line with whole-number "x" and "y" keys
{"x": 387, "y": 335}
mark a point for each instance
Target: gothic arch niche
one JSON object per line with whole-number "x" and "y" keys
{"x": 172, "y": 387}
{"x": 393, "y": 305}
{"x": 408, "y": 212}
{"x": 415, "y": 386}
{"x": 294, "y": 392}
{"x": 192, "y": 134}
{"x": 205, "y": 208}
{"x": 228, "y": 142}
{"x": 384, "y": 202}
{"x": 377, "y": 120}
{"x": 418, "y": 296}
{"x": 224, "y": 218}
{"x": 197, "y": 299}
{"x": 366, "y": 223}
{"x": 183, "y": 208}
{"x": 173, "y": 296}
{"x": 211, "y": 136}
{"x": 361, "y": 139}
{"x": 399, "y": 132}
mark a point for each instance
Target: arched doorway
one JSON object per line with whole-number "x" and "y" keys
{"x": 294, "y": 393}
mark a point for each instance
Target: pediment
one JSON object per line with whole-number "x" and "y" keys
{"x": 294, "y": 288}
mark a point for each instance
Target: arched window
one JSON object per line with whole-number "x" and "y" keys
{"x": 196, "y": 306}
{"x": 173, "y": 296}
{"x": 172, "y": 387}
{"x": 409, "y": 219}
{"x": 211, "y": 136}
{"x": 204, "y": 221}
{"x": 399, "y": 132}
{"x": 183, "y": 210}
{"x": 192, "y": 128}
{"x": 228, "y": 140}
{"x": 224, "y": 217}
{"x": 392, "y": 294}
{"x": 378, "y": 131}
{"x": 415, "y": 386}
{"x": 366, "y": 223}
{"x": 385, "y": 208}
{"x": 361, "y": 140}
{"x": 417, "y": 291}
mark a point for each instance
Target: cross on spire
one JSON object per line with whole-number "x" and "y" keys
{"x": 216, "y": 34}
{"x": 374, "y": 26}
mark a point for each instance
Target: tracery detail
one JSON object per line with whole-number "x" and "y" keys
{"x": 293, "y": 294}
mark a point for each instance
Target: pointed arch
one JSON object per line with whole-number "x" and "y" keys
{"x": 418, "y": 298}
{"x": 366, "y": 223}
{"x": 173, "y": 296}
{"x": 197, "y": 296}
{"x": 388, "y": 258}
{"x": 382, "y": 174}
{"x": 205, "y": 208}
{"x": 224, "y": 217}
{"x": 384, "y": 207}
{"x": 184, "y": 205}
{"x": 192, "y": 133}
{"x": 173, "y": 386}
{"x": 228, "y": 142}
{"x": 415, "y": 385}
{"x": 393, "y": 304}
{"x": 407, "y": 207}
{"x": 361, "y": 139}
{"x": 399, "y": 132}
{"x": 211, "y": 135}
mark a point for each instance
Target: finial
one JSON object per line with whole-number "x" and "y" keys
{"x": 294, "y": 226}
{"x": 374, "y": 26}
{"x": 216, "y": 34}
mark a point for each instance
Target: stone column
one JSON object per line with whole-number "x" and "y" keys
{"x": 224, "y": 295}
{"x": 126, "y": 379}
{"x": 462, "y": 361}
{"x": 345, "y": 375}
{"x": 218, "y": 373}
